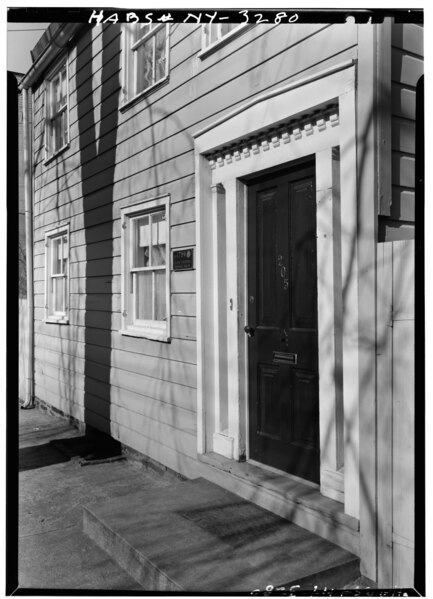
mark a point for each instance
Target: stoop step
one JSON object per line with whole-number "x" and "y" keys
{"x": 198, "y": 537}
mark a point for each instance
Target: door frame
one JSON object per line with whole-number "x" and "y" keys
{"x": 222, "y": 159}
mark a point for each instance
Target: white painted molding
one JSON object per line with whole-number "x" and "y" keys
{"x": 290, "y": 132}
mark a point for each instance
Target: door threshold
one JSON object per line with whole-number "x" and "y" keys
{"x": 292, "y": 477}
{"x": 290, "y": 497}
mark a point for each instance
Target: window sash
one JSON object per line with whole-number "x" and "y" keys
{"x": 146, "y": 58}
{"x": 215, "y": 32}
{"x": 57, "y": 275}
{"x": 146, "y": 288}
{"x": 57, "y": 101}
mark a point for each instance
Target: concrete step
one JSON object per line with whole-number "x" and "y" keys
{"x": 198, "y": 537}
{"x": 293, "y": 499}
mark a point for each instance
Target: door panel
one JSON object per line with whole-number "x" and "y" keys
{"x": 282, "y": 290}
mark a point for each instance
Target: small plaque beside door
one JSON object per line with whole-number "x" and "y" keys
{"x": 183, "y": 259}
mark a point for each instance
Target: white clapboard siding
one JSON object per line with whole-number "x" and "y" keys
{"x": 406, "y": 68}
{"x": 144, "y": 391}
{"x": 396, "y": 404}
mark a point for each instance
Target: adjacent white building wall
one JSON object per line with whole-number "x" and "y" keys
{"x": 395, "y": 417}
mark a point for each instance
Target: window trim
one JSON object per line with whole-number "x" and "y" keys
{"x": 129, "y": 47}
{"x": 216, "y": 45}
{"x": 149, "y": 329}
{"x": 64, "y": 61}
{"x": 63, "y": 317}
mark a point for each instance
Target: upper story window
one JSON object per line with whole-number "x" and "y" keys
{"x": 145, "y": 58}
{"x": 216, "y": 34}
{"x": 56, "y": 110}
{"x": 146, "y": 270}
{"x": 57, "y": 275}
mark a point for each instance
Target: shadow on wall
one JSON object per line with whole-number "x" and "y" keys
{"x": 98, "y": 157}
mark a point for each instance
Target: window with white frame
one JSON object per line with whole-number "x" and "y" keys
{"x": 57, "y": 275}
{"x": 213, "y": 33}
{"x": 145, "y": 57}
{"x": 56, "y": 110}
{"x": 146, "y": 274}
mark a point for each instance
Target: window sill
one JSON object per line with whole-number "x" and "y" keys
{"x": 55, "y": 320}
{"x": 137, "y": 98}
{"x": 146, "y": 334}
{"x": 222, "y": 42}
{"x": 56, "y": 154}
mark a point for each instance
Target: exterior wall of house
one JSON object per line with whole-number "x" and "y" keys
{"x": 143, "y": 392}
{"x": 406, "y": 69}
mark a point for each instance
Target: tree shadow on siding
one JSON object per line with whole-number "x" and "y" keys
{"x": 97, "y": 153}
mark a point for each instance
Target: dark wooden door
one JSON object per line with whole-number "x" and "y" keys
{"x": 282, "y": 323}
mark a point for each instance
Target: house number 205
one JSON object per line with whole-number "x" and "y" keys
{"x": 283, "y": 272}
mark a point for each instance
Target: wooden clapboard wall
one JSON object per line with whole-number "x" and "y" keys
{"x": 150, "y": 387}
{"x": 395, "y": 414}
{"x": 406, "y": 69}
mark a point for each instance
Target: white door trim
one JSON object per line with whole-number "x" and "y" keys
{"x": 264, "y": 134}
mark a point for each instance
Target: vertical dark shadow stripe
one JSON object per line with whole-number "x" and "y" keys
{"x": 98, "y": 158}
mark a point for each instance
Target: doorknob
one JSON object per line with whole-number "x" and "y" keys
{"x": 249, "y": 331}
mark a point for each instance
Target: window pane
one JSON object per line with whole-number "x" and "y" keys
{"x": 142, "y": 241}
{"x": 56, "y": 256}
{"x": 160, "y": 295}
{"x": 57, "y": 286}
{"x": 160, "y": 54}
{"x": 57, "y": 92}
{"x": 158, "y": 238}
{"x": 227, "y": 27}
{"x": 58, "y": 131}
{"x": 65, "y": 253}
{"x": 145, "y": 60}
{"x": 142, "y": 29}
{"x": 143, "y": 306}
{"x": 63, "y": 94}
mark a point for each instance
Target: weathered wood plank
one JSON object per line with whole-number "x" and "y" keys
{"x": 159, "y": 431}
{"x": 95, "y": 301}
{"x": 95, "y": 285}
{"x": 94, "y": 251}
{"x": 53, "y": 392}
{"x": 95, "y": 268}
{"x": 183, "y": 282}
{"x": 408, "y": 36}
{"x": 156, "y": 410}
{"x": 179, "y": 395}
{"x": 384, "y": 412}
{"x": 95, "y": 382}
{"x": 403, "y": 281}
{"x": 183, "y": 327}
{"x": 403, "y": 135}
{"x": 167, "y": 456}
{"x": 403, "y": 430}
{"x": 403, "y": 170}
{"x": 405, "y": 69}
{"x": 403, "y": 101}
{"x": 71, "y": 340}
{"x": 183, "y": 304}
{"x": 95, "y": 358}
{"x": 60, "y": 402}
{"x": 396, "y": 231}
{"x": 403, "y": 204}
{"x": 182, "y": 212}
{"x": 182, "y": 235}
